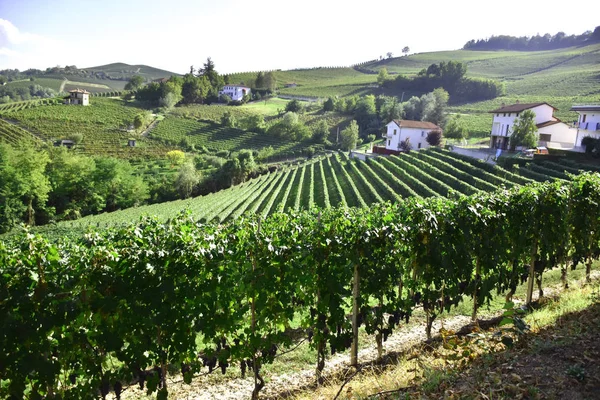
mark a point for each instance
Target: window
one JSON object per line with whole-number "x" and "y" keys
{"x": 505, "y": 114}
{"x": 583, "y": 118}
{"x": 507, "y": 129}
{"x": 389, "y": 142}
{"x": 545, "y": 137}
{"x": 497, "y": 115}
{"x": 422, "y": 133}
{"x": 394, "y": 131}
{"x": 517, "y": 114}
{"x": 419, "y": 146}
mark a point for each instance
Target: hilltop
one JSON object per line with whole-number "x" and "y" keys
{"x": 121, "y": 70}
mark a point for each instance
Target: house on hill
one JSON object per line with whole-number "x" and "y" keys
{"x": 552, "y": 132}
{"x": 588, "y": 123}
{"x": 399, "y": 131}
{"x": 78, "y": 97}
{"x": 236, "y": 92}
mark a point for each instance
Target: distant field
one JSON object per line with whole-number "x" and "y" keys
{"x": 51, "y": 83}
{"x": 126, "y": 71}
{"x": 217, "y": 137}
{"x": 100, "y": 124}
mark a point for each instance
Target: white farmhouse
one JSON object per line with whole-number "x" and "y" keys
{"x": 588, "y": 123}
{"x": 401, "y": 130}
{"x": 78, "y": 97}
{"x": 236, "y": 92}
{"x": 552, "y": 132}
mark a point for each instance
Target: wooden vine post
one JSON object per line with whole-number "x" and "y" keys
{"x": 531, "y": 278}
{"x": 355, "y": 311}
{"x": 259, "y": 382}
{"x": 476, "y": 290}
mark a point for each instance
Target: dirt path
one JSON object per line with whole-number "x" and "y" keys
{"x": 62, "y": 85}
{"x": 146, "y": 131}
{"x": 403, "y": 338}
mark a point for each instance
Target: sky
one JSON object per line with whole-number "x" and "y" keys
{"x": 253, "y": 35}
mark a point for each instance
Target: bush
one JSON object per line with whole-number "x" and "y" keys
{"x": 293, "y": 106}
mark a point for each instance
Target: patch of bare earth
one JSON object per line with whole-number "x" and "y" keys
{"x": 560, "y": 362}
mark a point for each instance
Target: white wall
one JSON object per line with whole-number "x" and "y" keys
{"x": 235, "y": 92}
{"x": 560, "y": 133}
{"x": 592, "y": 118}
{"x": 417, "y": 137}
{"x": 501, "y": 121}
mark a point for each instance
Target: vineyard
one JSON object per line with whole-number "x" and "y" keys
{"x": 129, "y": 306}
{"x": 101, "y": 124}
{"x": 13, "y": 135}
{"x": 336, "y": 180}
{"x": 173, "y": 130}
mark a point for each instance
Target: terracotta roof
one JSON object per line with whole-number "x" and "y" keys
{"x": 587, "y": 107}
{"x": 518, "y": 107}
{"x": 79, "y": 91}
{"x": 241, "y": 86}
{"x": 404, "y": 123}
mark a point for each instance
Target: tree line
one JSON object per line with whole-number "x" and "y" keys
{"x": 45, "y": 185}
{"x": 449, "y": 75}
{"x": 534, "y": 43}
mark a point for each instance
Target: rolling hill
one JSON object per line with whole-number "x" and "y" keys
{"x": 125, "y": 71}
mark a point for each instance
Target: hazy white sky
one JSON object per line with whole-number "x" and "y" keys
{"x": 251, "y": 35}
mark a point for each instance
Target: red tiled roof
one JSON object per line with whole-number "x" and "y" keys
{"x": 404, "y": 123}
{"x": 518, "y": 107}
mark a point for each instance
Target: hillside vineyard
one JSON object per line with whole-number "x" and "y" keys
{"x": 336, "y": 180}
{"x": 142, "y": 295}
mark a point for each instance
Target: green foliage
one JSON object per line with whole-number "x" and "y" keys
{"x": 293, "y": 106}
{"x": 228, "y": 120}
{"x": 131, "y": 301}
{"x": 349, "y": 136}
{"x": 455, "y": 128}
{"x": 382, "y": 77}
{"x": 524, "y": 131}
{"x": 135, "y": 82}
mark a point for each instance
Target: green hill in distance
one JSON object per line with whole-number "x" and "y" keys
{"x": 122, "y": 70}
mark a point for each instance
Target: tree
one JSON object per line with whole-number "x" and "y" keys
{"x": 382, "y": 76}
{"x": 140, "y": 121}
{"x": 24, "y": 187}
{"x": 187, "y": 179}
{"x": 169, "y": 100}
{"x": 405, "y": 50}
{"x": 329, "y": 104}
{"x": 349, "y": 136}
{"x": 524, "y": 131}
{"x": 118, "y": 185}
{"x": 405, "y": 145}
{"x": 320, "y": 132}
{"x": 455, "y": 128}
{"x": 228, "y": 120}
{"x": 434, "y": 109}
{"x": 293, "y": 106}
{"x": 434, "y": 137}
{"x": 176, "y": 157}
{"x": 413, "y": 108}
{"x": 391, "y": 110}
{"x": 134, "y": 83}
{"x": 390, "y": 54}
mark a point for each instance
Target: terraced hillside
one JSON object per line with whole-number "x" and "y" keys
{"x": 336, "y": 180}
{"x": 101, "y": 125}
